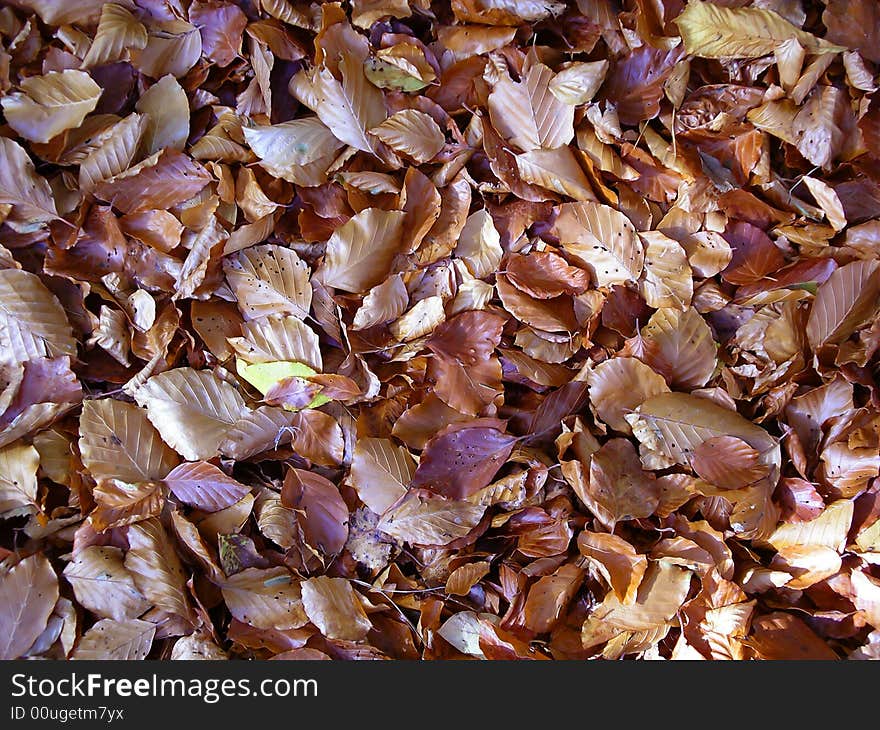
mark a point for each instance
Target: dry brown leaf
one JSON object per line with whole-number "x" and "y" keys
{"x": 18, "y": 480}
{"x": 117, "y": 441}
{"x": 334, "y": 607}
{"x": 118, "y": 31}
{"x": 602, "y": 239}
{"x": 156, "y": 568}
{"x": 359, "y": 253}
{"x": 102, "y": 584}
{"x": 619, "y": 385}
{"x": 411, "y": 133}
{"x": 192, "y": 409}
{"x": 679, "y": 345}
{"x": 714, "y": 31}
{"x": 267, "y": 599}
{"x": 268, "y": 280}
{"x": 21, "y": 186}
{"x": 109, "y": 639}
{"x": 527, "y": 115}
{"x": 50, "y": 104}
{"x": 380, "y": 472}
{"x": 28, "y": 592}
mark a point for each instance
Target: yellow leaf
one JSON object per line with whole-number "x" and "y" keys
{"x": 264, "y": 375}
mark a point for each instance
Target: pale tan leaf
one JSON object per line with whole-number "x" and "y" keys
{"x": 192, "y": 410}
{"x": 276, "y": 521}
{"x": 867, "y": 596}
{"x": 278, "y": 339}
{"x": 527, "y": 114}
{"x": 197, "y": 647}
{"x": 462, "y": 631}
{"x": 828, "y": 530}
{"x": 707, "y": 252}
{"x": 828, "y": 201}
{"x": 679, "y": 345}
{"x": 674, "y": 424}
{"x": 713, "y": 31}
{"x": 267, "y": 599}
{"x": 204, "y": 249}
{"x": 366, "y": 12}
{"x": 18, "y": 480}
{"x": 360, "y": 252}
{"x": 660, "y": 595}
{"x": 102, "y": 584}
{"x": 846, "y": 300}
{"x": 50, "y": 104}
{"x": 166, "y": 108}
{"x": 667, "y": 281}
{"x": 350, "y": 108}
{"x": 776, "y": 118}
{"x": 21, "y": 186}
{"x": 288, "y": 12}
{"x": 173, "y": 47}
{"x": 789, "y": 55}
{"x": 816, "y": 127}
{"x": 284, "y": 147}
{"x": 115, "y": 149}
{"x": 263, "y": 429}
{"x": 269, "y": 279}
{"x": 807, "y": 564}
{"x": 617, "y": 561}
{"x": 156, "y": 568}
{"x": 424, "y": 316}
{"x": 578, "y": 82}
{"x": 334, "y": 607}
{"x": 117, "y": 441}
{"x": 380, "y": 472}
{"x": 117, "y": 640}
{"x": 602, "y": 239}
{"x": 28, "y": 592}
{"x": 479, "y": 244}
{"x": 422, "y": 521}
{"x": 383, "y": 302}
{"x": 411, "y": 133}
{"x": 506, "y": 12}
{"x": 33, "y": 323}
{"x": 118, "y": 31}
{"x": 603, "y": 155}
{"x": 619, "y": 385}
{"x": 555, "y": 170}
{"x": 112, "y": 334}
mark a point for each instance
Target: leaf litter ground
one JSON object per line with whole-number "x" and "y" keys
{"x": 411, "y": 329}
